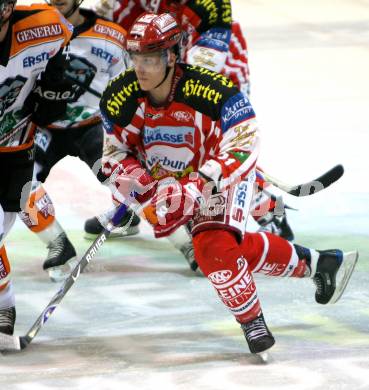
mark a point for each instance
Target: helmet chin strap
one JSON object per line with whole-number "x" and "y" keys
{"x": 167, "y": 70}
{"x": 73, "y": 9}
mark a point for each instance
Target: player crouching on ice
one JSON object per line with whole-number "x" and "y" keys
{"x": 199, "y": 131}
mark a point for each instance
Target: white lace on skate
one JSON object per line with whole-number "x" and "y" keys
{"x": 7, "y": 320}
{"x": 256, "y": 330}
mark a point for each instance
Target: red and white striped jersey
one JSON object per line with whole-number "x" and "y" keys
{"x": 207, "y": 125}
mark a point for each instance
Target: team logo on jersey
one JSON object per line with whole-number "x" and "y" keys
{"x": 237, "y": 109}
{"x": 169, "y": 135}
{"x": 110, "y": 32}
{"x": 9, "y": 91}
{"x": 198, "y": 89}
{"x": 182, "y": 116}
{"x": 118, "y": 99}
{"x": 220, "y": 277}
{"x": 32, "y": 34}
{"x": 156, "y": 163}
{"x": 105, "y": 55}
{"x": 35, "y": 60}
{"x": 81, "y": 70}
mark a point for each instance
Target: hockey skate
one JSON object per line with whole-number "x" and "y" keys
{"x": 93, "y": 227}
{"x": 333, "y": 271}
{"x": 188, "y": 253}
{"x": 7, "y": 320}
{"x": 61, "y": 258}
{"x": 277, "y": 225}
{"x": 258, "y": 336}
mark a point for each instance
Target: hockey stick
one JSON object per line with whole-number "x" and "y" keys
{"x": 17, "y": 343}
{"x": 311, "y": 187}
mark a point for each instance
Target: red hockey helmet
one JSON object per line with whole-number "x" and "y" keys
{"x": 151, "y": 32}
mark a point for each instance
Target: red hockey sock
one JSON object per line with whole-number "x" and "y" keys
{"x": 220, "y": 258}
{"x": 271, "y": 255}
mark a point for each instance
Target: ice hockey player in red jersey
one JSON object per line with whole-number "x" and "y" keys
{"x": 197, "y": 133}
{"x": 215, "y": 41}
{"x": 32, "y": 40}
{"x": 212, "y": 38}
{"x": 97, "y": 54}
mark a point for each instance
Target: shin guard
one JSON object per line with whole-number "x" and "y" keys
{"x": 272, "y": 255}
{"x": 220, "y": 259}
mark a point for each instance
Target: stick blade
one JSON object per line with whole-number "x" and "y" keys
{"x": 320, "y": 183}
{"x": 9, "y": 343}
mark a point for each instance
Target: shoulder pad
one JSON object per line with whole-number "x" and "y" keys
{"x": 120, "y": 99}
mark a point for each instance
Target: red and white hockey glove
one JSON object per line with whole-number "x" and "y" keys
{"x": 174, "y": 204}
{"x": 129, "y": 181}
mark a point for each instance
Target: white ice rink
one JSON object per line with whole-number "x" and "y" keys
{"x": 139, "y": 319}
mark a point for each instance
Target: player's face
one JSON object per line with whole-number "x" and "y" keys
{"x": 150, "y": 69}
{"x": 64, "y": 6}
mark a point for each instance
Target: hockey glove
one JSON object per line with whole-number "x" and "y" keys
{"x": 52, "y": 92}
{"x": 129, "y": 181}
{"x": 174, "y": 204}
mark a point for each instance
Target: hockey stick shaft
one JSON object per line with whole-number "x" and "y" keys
{"x": 308, "y": 188}
{"x": 11, "y": 343}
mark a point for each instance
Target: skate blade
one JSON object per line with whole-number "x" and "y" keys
{"x": 60, "y": 273}
{"x": 115, "y": 234}
{"x": 263, "y": 356}
{"x": 344, "y": 274}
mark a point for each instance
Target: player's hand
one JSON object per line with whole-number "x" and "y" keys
{"x": 174, "y": 204}
{"x": 130, "y": 181}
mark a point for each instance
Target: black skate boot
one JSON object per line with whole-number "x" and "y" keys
{"x": 258, "y": 336}
{"x": 93, "y": 227}
{"x": 333, "y": 271}
{"x": 61, "y": 259}
{"x": 7, "y": 320}
{"x": 277, "y": 225}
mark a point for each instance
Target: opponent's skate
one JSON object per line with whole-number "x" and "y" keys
{"x": 187, "y": 251}
{"x": 277, "y": 225}
{"x": 61, "y": 259}
{"x": 93, "y": 227}
{"x": 333, "y": 271}
{"x": 258, "y": 336}
{"x": 7, "y": 320}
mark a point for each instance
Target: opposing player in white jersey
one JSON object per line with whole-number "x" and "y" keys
{"x": 96, "y": 55}
{"x": 180, "y": 122}
{"x": 32, "y": 40}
